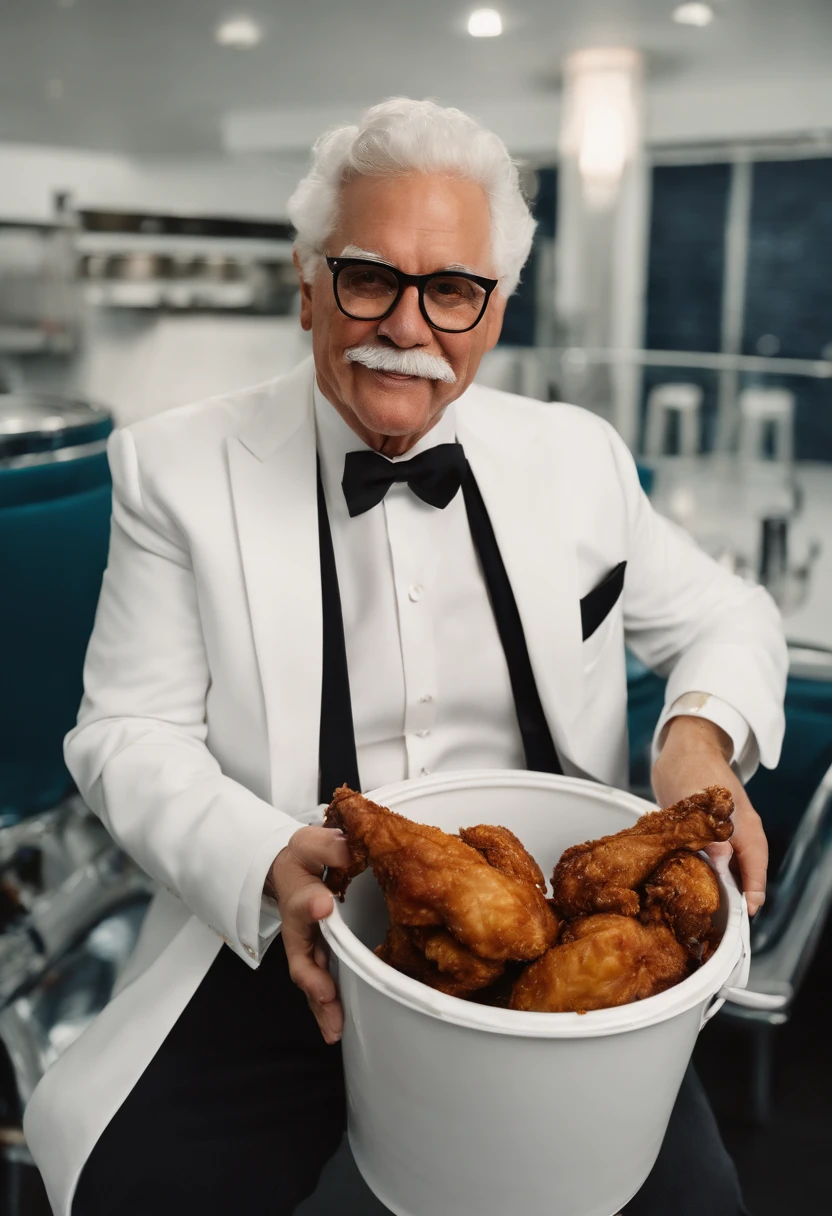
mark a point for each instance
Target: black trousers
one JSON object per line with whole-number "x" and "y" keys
{"x": 243, "y": 1105}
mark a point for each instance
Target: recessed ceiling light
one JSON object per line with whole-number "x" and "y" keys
{"x": 694, "y": 14}
{"x": 240, "y": 32}
{"x": 485, "y": 23}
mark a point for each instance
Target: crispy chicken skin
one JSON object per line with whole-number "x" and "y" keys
{"x": 438, "y": 960}
{"x": 602, "y": 875}
{"x": 429, "y": 877}
{"x": 602, "y": 961}
{"x": 502, "y": 850}
{"x": 683, "y": 893}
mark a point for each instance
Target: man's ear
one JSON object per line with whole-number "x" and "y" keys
{"x": 305, "y": 295}
{"x": 494, "y": 319}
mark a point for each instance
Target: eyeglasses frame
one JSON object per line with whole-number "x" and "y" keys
{"x": 419, "y": 281}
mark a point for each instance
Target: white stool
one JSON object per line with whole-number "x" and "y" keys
{"x": 762, "y": 409}
{"x": 664, "y": 400}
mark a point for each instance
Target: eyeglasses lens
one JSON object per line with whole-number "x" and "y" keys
{"x": 451, "y": 301}
{"x": 366, "y": 292}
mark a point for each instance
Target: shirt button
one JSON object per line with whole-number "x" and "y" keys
{"x": 415, "y": 593}
{"x": 426, "y": 698}
{"x": 250, "y": 951}
{"x": 422, "y": 734}
{"x": 425, "y": 772}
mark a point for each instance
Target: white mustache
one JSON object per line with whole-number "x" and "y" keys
{"x": 405, "y": 362}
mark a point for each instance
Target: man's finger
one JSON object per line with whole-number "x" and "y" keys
{"x": 751, "y": 849}
{"x": 321, "y": 953}
{"x": 315, "y": 848}
{"x": 720, "y": 853}
{"x": 330, "y": 1018}
{"x": 308, "y": 903}
{"x": 314, "y": 981}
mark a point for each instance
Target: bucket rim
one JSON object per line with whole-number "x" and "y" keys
{"x": 697, "y": 989}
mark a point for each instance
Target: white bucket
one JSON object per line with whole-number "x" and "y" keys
{"x": 458, "y": 1109}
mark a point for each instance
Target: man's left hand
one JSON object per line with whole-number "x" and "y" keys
{"x": 696, "y": 753}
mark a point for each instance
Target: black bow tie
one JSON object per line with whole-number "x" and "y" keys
{"x": 434, "y": 475}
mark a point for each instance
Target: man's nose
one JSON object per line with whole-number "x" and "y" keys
{"x": 406, "y": 326}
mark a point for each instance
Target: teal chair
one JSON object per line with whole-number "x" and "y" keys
{"x": 26, "y": 484}
{"x": 646, "y": 476}
{"x": 782, "y": 795}
{"x": 645, "y": 700}
{"x": 54, "y": 537}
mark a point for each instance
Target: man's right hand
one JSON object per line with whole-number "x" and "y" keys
{"x": 303, "y": 900}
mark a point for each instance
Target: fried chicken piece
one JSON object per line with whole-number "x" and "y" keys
{"x": 683, "y": 893}
{"x": 429, "y": 877}
{"x": 438, "y": 960}
{"x": 602, "y": 875}
{"x": 602, "y": 961}
{"x": 502, "y": 850}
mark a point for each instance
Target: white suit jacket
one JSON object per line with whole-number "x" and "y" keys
{"x": 197, "y": 740}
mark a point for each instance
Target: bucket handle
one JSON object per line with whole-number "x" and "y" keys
{"x": 736, "y": 990}
{"x": 770, "y": 1002}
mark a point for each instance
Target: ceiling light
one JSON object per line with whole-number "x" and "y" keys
{"x": 240, "y": 32}
{"x": 485, "y": 23}
{"x": 694, "y": 14}
{"x": 601, "y": 124}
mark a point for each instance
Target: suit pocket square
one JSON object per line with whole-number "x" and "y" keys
{"x": 599, "y": 602}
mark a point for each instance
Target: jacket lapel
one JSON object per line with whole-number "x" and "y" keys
{"x": 273, "y": 482}
{"x": 525, "y": 499}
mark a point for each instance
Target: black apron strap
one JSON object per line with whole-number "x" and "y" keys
{"x": 337, "y": 757}
{"x": 538, "y": 745}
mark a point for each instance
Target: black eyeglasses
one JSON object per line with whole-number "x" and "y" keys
{"x": 452, "y": 301}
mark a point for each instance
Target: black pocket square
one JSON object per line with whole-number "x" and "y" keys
{"x": 598, "y": 602}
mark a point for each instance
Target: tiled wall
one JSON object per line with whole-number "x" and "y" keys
{"x": 788, "y": 281}
{"x": 685, "y": 272}
{"x": 789, "y": 285}
{"x": 519, "y": 323}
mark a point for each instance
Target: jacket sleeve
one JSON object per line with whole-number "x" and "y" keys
{"x": 138, "y": 752}
{"x": 703, "y": 627}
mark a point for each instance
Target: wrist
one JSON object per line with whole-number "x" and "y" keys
{"x": 270, "y": 885}
{"x": 689, "y": 733}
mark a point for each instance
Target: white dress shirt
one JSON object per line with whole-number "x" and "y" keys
{"x": 429, "y": 680}
{"x": 428, "y": 676}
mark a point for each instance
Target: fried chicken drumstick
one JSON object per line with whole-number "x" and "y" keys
{"x": 602, "y": 875}
{"x": 430, "y": 878}
{"x": 603, "y": 961}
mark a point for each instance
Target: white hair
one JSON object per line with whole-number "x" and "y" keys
{"x": 402, "y": 136}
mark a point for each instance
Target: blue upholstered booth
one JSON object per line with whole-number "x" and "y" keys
{"x": 55, "y": 504}
{"x": 53, "y": 555}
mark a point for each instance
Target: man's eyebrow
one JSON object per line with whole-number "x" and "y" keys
{"x": 353, "y": 251}
{"x": 460, "y": 266}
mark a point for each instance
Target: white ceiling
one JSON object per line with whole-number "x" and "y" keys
{"x": 145, "y": 76}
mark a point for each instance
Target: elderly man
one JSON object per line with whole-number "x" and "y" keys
{"x": 298, "y": 593}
